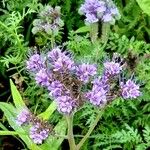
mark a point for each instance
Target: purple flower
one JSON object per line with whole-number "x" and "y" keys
{"x": 89, "y": 9}
{"x": 108, "y": 18}
{"x": 101, "y": 82}
{"x": 38, "y": 134}
{"x": 23, "y": 117}
{"x": 96, "y": 10}
{"x": 85, "y": 71}
{"x": 42, "y": 78}
{"x": 130, "y": 90}
{"x": 90, "y": 6}
{"x": 35, "y": 63}
{"x": 54, "y": 54}
{"x": 60, "y": 61}
{"x": 65, "y": 104}
{"x": 101, "y": 10}
{"x": 55, "y": 89}
{"x": 97, "y": 96}
{"x": 91, "y": 18}
{"x": 63, "y": 64}
{"x": 112, "y": 68}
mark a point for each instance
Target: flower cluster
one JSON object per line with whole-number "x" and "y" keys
{"x": 49, "y": 21}
{"x": 23, "y": 117}
{"x": 85, "y": 71}
{"x": 39, "y": 131}
{"x": 95, "y": 10}
{"x": 66, "y": 81}
{"x": 130, "y": 89}
{"x": 63, "y": 78}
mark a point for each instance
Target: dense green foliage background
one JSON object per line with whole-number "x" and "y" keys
{"x": 125, "y": 124}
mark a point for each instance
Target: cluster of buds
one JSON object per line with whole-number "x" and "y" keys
{"x": 95, "y": 10}
{"x": 49, "y": 21}
{"x": 39, "y": 130}
{"x": 66, "y": 80}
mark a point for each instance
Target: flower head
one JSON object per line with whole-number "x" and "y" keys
{"x": 56, "y": 89}
{"x": 130, "y": 90}
{"x": 112, "y": 68}
{"x": 96, "y": 10}
{"x": 35, "y": 63}
{"x": 97, "y": 96}
{"x": 38, "y": 134}
{"x": 63, "y": 64}
{"x": 42, "y": 78}
{"x": 65, "y": 104}
{"x": 85, "y": 71}
{"x": 23, "y": 117}
{"x": 49, "y": 21}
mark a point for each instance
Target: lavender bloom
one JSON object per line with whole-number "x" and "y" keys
{"x": 63, "y": 64}
{"x": 65, "y": 104}
{"x": 42, "y": 78}
{"x": 130, "y": 90}
{"x": 97, "y": 96}
{"x": 35, "y": 63}
{"x": 85, "y": 71}
{"x": 96, "y": 10}
{"x": 112, "y": 68}
{"x": 56, "y": 89}
{"x": 60, "y": 62}
{"x": 114, "y": 11}
{"x": 101, "y": 10}
{"x": 54, "y": 54}
{"x": 108, "y": 18}
{"x": 89, "y": 7}
{"x": 38, "y": 134}
{"x": 101, "y": 82}
{"x": 90, "y": 18}
{"x": 23, "y": 117}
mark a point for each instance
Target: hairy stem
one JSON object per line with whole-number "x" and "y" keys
{"x": 90, "y": 130}
{"x": 94, "y": 32}
{"x": 70, "y": 132}
{"x": 105, "y": 32}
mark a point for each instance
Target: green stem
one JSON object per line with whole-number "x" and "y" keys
{"x": 89, "y": 131}
{"x": 70, "y": 132}
{"x": 105, "y": 32}
{"x": 94, "y": 32}
{"x": 52, "y": 41}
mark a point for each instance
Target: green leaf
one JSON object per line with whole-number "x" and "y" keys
{"x": 2, "y": 126}
{"x": 144, "y": 5}
{"x": 8, "y": 133}
{"x": 48, "y": 112}
{"x": 83, "y": 29}
{"x": 18, "y": 101}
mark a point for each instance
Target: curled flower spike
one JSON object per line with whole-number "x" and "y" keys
{"x": 23, "y": 117}
{"x": 35, "y": 63}
{"x": 42, "y": 78}
{"x": 49, "y": 21}
{"x": 112, "y": 68}
{"x": 85, "y": 71}
{"x": 97, "y": 96}
{"x": 65, "y": 104}
{"x": 95, "y": 10}
{"x": 56, "y": 89}
{"x": 39, "y": 133}
{"x": 130, "y": 90}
